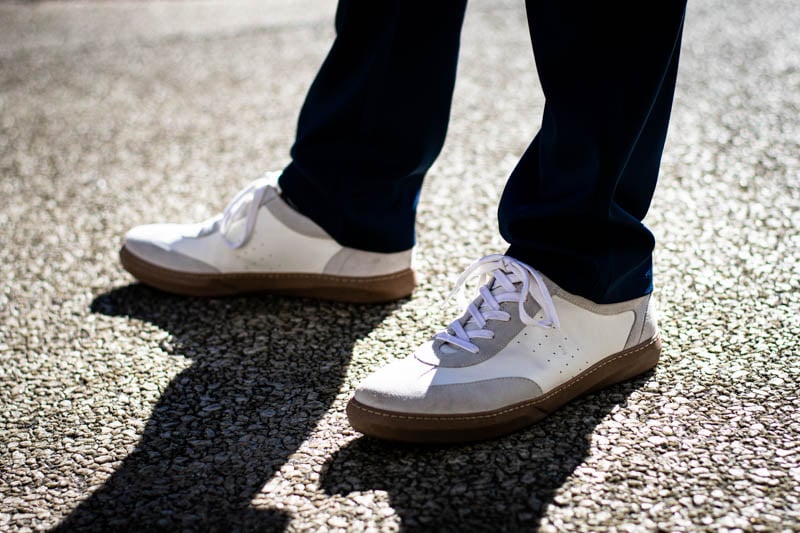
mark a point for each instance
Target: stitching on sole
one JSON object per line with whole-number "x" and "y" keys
{"x": 557, "y": 390}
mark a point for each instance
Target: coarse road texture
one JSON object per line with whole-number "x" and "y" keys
{"x": 122, "y": 408}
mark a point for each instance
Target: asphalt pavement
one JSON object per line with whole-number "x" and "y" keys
{"x": 123, "y": 408}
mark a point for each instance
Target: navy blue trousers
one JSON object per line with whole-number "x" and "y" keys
{"x": 376, "y": 115}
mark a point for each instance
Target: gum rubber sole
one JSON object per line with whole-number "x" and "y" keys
{"x": 368, "y": 289}
{"x": 425, "y": 428}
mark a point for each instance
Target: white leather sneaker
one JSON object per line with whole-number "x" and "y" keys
{"x": 260, "y": 243}
{"x": 524, "y": 348}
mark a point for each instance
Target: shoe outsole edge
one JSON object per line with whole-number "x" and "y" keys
{"x": 456, "y": 428}
{"x": 361, "y": 289}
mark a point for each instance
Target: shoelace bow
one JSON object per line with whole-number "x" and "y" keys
{"x": 515, "y": 277}
{"x": 244, "y": 205}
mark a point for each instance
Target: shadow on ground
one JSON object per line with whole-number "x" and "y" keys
{"x": 264, "y": 370}
{"x": 501, "y": 485}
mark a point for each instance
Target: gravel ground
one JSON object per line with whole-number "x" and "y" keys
{"x": 125, "y": 408}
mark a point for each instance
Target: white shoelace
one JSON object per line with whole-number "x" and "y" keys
{"x": 245, "y": 205}
{"x": 515, "y": 278}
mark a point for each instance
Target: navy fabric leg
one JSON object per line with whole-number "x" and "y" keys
{"x": 375, "y": 119}
{"x": 573, "y": 206}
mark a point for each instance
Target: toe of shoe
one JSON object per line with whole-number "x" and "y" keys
{"x": 395, "y": 385}
{"x": 163, "y": 235}
{"x": 155, "y": 244}
{"x": 412, "y": 387}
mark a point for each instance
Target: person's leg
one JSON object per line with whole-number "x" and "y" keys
{"x": 341, "y": 226}
{"x": 573, "y": 206}
{"x": 375, "y": 119}
{"x": 572, "y": 210}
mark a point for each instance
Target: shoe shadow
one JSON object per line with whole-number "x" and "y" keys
{"x": 264, "y": 370}
{"x": 500, "y": 485}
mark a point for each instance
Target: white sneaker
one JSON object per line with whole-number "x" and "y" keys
{"x": 260, "y": 243}
{"x": 524, "y": 348}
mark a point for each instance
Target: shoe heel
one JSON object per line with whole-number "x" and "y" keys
{"x": 629, "y": 364}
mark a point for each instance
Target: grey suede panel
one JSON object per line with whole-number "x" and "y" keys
{"x": 645, "y": 327}
{"x": 168, "y": 259}
{"x": 291, "y": 218}
{"x": 457, "y": 398}
{"x": 338, "y": 262}
{"x": 352, "y": 262}
{"x": 650, "y": 327}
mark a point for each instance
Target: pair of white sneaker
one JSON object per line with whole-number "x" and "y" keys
{"x": 523, "y": 348}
